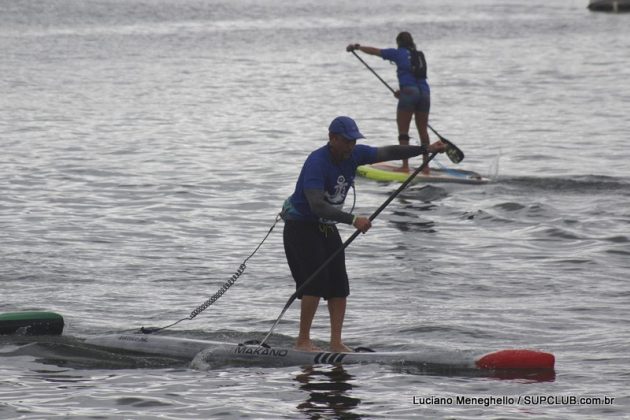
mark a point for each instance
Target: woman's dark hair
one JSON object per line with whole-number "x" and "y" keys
{"x": 405, "y": 40}
{"x": 418, "y": 62}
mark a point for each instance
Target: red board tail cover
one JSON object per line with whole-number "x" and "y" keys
{"x": 516, "y": 359}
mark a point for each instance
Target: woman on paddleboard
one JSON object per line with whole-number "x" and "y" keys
{"x": 311, "y": 213}
{"x": 414, "y": 95}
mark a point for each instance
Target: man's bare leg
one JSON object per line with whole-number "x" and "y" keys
{"x": 337, "y": 310}
{"x": 307, "y": 313}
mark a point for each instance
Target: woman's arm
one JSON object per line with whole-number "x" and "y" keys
{"x": 367, "y": 50}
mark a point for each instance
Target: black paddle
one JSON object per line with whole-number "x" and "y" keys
{"x": 455, "y": 155}
{"x": 455, "y": 158}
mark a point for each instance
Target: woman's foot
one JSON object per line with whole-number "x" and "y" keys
{"x": 402, "y": 169}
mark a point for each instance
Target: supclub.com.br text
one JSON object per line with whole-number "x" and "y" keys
{"x": 487, "y": 401}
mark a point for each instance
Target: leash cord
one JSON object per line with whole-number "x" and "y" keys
{"x": 224, "y": 288}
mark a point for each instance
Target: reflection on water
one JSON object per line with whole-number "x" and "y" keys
{"x": 409, "y": 221}
{"x": 522, "y": 375}
{"x": 329, "y": 392}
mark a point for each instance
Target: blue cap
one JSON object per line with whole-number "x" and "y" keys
{"x": 346, "y": 127}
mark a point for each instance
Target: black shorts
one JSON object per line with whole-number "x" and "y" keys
{"x": 307, "y": 246}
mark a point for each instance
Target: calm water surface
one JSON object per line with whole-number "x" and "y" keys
{"x": 147, "y": 147}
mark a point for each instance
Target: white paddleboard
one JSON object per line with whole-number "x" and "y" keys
{"x": 213, "y": 352}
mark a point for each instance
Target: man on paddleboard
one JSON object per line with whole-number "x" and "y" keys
{"x": 311, "y": 213}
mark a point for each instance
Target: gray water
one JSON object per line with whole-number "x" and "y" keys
{"x": 147, "y": 147}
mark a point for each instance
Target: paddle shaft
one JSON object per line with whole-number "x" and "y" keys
{"x": 389, "y": 87}
{"x": 345, "y": 245}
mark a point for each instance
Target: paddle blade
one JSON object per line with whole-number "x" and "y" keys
{"x": 453, "y": 152}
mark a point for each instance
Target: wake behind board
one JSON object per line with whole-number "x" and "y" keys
{"x": 31, "y": 323}
{"x": 387, "y": 172}
{"x": 212, "y": 352}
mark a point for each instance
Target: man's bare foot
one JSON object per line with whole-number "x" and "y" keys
{"x": 306, "y": 345}
{"x": 402, "y": 169}
{"x": 340, "y": 348}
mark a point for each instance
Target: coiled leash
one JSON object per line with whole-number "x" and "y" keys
{"x": 222, "y": 289}
{"x": 231, "y": 281}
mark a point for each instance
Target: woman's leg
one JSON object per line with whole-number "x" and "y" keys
{"x": 403, "y": 120}
{"x": 422, "y": 122}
